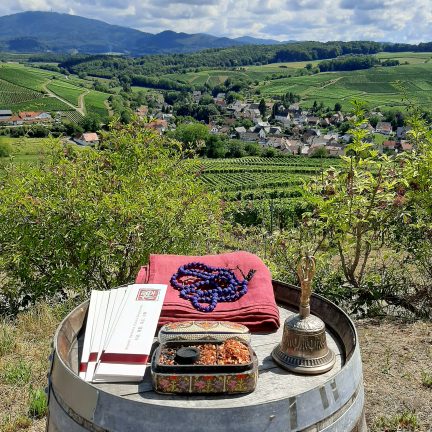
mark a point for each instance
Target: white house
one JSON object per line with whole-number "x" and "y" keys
{"x": 87, "y": 139}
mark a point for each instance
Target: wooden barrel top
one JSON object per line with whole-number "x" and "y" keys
{"x": 273, "y": 383}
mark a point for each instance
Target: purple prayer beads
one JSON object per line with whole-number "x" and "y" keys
{"x": 200, "y": 283}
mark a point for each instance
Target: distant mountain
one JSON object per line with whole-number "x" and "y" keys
{"x": 51, "y": 31}
{"x": 248, "y": 40}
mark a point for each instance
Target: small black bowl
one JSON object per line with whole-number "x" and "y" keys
{"x": 187, "y": 355}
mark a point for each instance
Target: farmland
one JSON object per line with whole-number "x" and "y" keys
{"x": 95, "y": 102}
{"x": 19, "y": 75}
{"x": 377, "y": 87}
{"x": 11, "y": 94}
{"x": 23, "y": 88}
{"x": 66, "y": 91}
{"x": 382, "y": 87}
{"x": 263, "y": 188}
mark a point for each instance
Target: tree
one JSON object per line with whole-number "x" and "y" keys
{"x": 236, "y": 149}
{"x": 262, "y": 107}
{"x": 354, "y": 204}
{"x": 81, "y": 220}
{"x": 320, "y": 152}
{"x": 337, "y": 107}
{"x": 374, "y": 120}
{"x": 193, "y": 135}
{"x": 206, "y": 100}
{"x": 344, "y": 127}
{"x": 253, "y": 149}
{"x": 90, "y": 123}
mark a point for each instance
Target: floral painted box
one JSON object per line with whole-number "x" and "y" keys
{"x": 170, "y": 376}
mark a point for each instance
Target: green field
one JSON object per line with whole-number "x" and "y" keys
{"x": 383, "y": 87}
{"x": 11, "y": 94}
{"x": 253, "y": 73}
{"x": 262, "y": 190}
{"x": 409, "y": 57}
{"x": 23, "y": 149}
{"x": 257, "y": 177}
{"x": 49, "y": 104}
{"x": 23, "y": 88}
{"x": 73, "y": 116}
{"x": 66, "y": 91}
{"x": 94, "y": 102}
{"x": 30, "y": 78}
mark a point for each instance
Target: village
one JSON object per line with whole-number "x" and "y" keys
{"x": 289, "y": 130}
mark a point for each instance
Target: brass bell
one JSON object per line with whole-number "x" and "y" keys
{"x": 303, "y": 348}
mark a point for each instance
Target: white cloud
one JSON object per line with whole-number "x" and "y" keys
{"x": 387, "y": 20}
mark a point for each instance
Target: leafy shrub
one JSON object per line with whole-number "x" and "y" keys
{"x": 89, "y": 219}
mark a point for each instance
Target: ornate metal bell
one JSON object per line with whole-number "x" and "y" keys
{"x": 303, "y": 348}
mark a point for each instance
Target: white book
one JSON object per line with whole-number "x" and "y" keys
{"x": 85, "y": 356}
{"x": 98, "y": 325}
{"x": 112, "y": 296}
{"x": 120, "y": 300}
{"x": 127, "y": 351}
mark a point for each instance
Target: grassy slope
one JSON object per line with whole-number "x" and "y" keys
{"x": 12, "y": 94}
{"x": 94, "y": 102}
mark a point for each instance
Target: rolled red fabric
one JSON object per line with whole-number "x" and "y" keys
{"x": 257, "y": 309}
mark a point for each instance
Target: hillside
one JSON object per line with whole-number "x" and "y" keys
{"x": 50, "y": 31}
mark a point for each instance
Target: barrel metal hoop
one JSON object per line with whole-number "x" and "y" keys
{"x": 337, "y": 414}
{"x": 84, "y": 423}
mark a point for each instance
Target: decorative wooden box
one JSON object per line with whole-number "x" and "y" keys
{"x": 202, "y": 379}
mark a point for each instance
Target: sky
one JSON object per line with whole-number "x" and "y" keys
{"x": 380, "y": 20}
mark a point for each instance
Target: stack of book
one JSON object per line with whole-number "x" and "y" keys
{"x": 120, "y": 328}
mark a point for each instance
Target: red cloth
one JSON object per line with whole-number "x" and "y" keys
{"x": 257, "y": 309}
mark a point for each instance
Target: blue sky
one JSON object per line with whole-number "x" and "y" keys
{"x": 380, "y": 20}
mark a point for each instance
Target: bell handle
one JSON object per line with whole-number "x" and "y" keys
{"x": 306, "y": 271}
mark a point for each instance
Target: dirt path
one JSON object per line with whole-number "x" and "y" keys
{"x": 108, "y": 107}
{"x": 81, "y": 106}
{"x": 334, "y": 81}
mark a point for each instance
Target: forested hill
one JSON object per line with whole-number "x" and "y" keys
{"x": 61, "y": 33}
{"x": 108, "y": 66}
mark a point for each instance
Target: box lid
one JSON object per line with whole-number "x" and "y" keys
{"x": 202, "y": 330}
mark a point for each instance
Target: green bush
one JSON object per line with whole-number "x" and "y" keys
{"x": 88, "y": 219}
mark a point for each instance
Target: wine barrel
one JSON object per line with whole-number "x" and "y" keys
{"x": 282, "y": 401}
